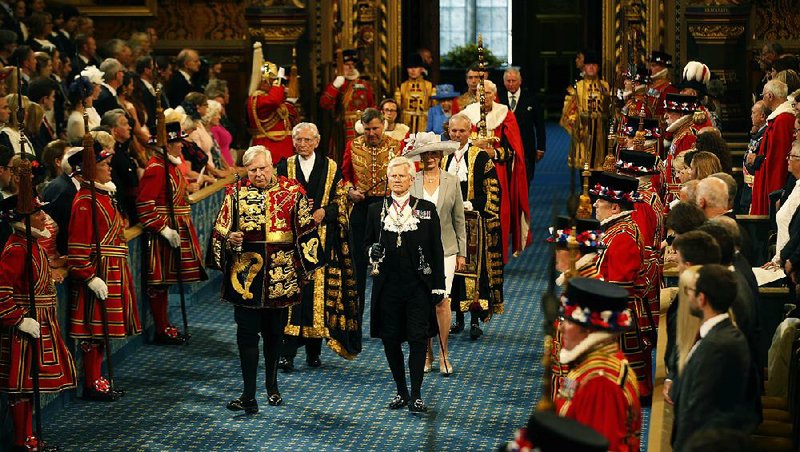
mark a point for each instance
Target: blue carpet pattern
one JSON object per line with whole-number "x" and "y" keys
{"x": 176, "y": 396}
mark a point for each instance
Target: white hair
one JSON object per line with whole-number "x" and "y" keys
{"x": 714, "y": 191}
{"x": 512, "y": 70}
{"x": 489, "y": 86}
{"x": 305, "y": 126}
{"x": 400, "y": 161}
{"x": 777, "y": 88}
{"x": 461, "y": 117}
{"x": 214, "y": 108}
{"x": 254, "y": 151}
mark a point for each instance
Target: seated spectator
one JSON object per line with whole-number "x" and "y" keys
{"x": 52, "y": 156}
{"x": 713, "y": 386}
{"x": 40, "y": 25}
{"x": 222, "y": 137}
{"x": 82, "y": 93}
{"x": 715, "y": 144}
{"x": 704, "y": 164}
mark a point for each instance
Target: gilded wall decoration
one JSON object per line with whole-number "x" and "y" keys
{"x": 776, "y": 20}
{"x": 716, "y": 32}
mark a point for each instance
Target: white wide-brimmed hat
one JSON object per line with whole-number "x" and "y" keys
{"x": 422, "y": 142}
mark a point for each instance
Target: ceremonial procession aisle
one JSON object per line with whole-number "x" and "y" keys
{"x": 175, "y": 396}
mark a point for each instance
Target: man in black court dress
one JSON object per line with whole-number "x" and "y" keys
{"x": 404, "y": 243}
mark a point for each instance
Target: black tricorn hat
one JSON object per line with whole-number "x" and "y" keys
{"x": 596, "y": 304}
{"x": 350, "y": 55}
{"x": 681, "y": 103}
{"x": 698, "y": 86}
{"x": 661, "y": 58}
{"x": 8, "y": 208}
{"x": 588, "y": 233}
{"x": 637, "y": 163}
{"x": 550, "y": 432}
{"x": 614, "y": 187}
{"x": 590, "y": 57}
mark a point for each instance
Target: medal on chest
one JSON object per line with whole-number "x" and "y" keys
{"x": 567, "y": 388}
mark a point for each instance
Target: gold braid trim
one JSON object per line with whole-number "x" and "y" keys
{"x": 263, "y": 126}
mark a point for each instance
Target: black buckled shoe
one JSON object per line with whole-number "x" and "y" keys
{"x": 313, "y": 362}
{"x": 475, "y": 332}
{"x": 248, "y": 406}
{"x": 170, "y": 336}
{"x": 101, "y": 391}
{"x": 286, "y": 364}
{"x": 418, "y": 407}
{"x": 456, "y": 327}
{"x": 398, "y": 402}
{"x": 275, "y": 399}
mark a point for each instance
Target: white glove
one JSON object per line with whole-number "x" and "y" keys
{"x": 338, "y": 81}
{"x": 172, "y": 236}
{"x": 468, "y": 206}
{"x": 99, "y": 287}
{"x": 30, "y": 326}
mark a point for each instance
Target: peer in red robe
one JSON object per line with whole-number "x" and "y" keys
{"x": 509, "y": 160}
{"x": 775, "y": 147}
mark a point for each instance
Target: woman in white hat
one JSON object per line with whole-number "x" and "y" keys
{"x": 442, "y": 189}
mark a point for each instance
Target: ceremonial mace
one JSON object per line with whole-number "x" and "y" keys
{"x": 161, "y": 141}
{"x": 88, "y": 170}
{"x": 25, "y": 207}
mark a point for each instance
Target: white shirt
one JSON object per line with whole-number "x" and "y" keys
{"x": 149, "y": 86}
{"x": 784, "y": 218}
{"x": 399, "y": 216}
{"x": 705, "y": 328}
{"x": 432, "y": 197}
{"x": 307, "y": 164}
{"x": 110, "y": 88}
{"x": 186, "y": 75}
{"x": 458, "y": 165}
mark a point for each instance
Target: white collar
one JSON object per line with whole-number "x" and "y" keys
{"x": 679, "y": 123}
{"x": 310, "y": 158}
{"x": 83, "y": 58}
{"x": 615, "y": 216}
{"x": 493, "y": 119}
{"x": 36, "y": 233}
{"x": 594, "y": 338}
{"x": 583, "y": 260}
{"x": 516, "y": 95}
{"x": 148, "y": 85}
{"x": 463, "y": 149}
{"x": 353, "y": 77}
{"x": 186, "y": 75}
{"x": 660, "y": 74}
{"x": 107, "y": 187}
{"x": 175, "y": 160}
{"x": 110, "y": 88}
{"x": 711, "y": 323}
{"x": 785, "y": 107}
{"x": 75, "y": 182}
{"x": 401, "y": 199}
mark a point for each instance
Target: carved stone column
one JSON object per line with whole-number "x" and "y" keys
{"x": 716, "y": 35}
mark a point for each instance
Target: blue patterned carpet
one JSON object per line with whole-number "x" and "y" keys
{"x": 176, "y": 396}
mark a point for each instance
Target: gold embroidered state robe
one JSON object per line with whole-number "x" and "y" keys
{"x": 585, "y": 118}
{"x": 414, "y": 100}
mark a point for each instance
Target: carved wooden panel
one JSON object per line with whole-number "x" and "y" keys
{"x": 776, "y": 20}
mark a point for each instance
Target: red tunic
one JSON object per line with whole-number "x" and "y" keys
{"x": 151, "y": 205}
{"x": 86, "y": 320}
{"x": 649, "y": 216}
{"x": 355, "y": 96}
{"x": 775, "y": 146}
{"x": 56, "y": 366}
{"x": 271, "y": 119}
{"x": 658, "y": 90}
{"x": 621, "y": 263}
{"x": 600, "y": 392}
{"x": 683, "y": 138}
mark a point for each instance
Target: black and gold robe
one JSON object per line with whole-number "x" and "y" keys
{"x": 330, "y": 307}
{"x": 482, "y": 190}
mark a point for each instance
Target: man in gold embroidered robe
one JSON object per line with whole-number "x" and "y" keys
{"x": 330, "y": 308}
{"x": 585, "y": 116}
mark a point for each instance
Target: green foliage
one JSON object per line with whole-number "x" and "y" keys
{"x": 464, "y": 56}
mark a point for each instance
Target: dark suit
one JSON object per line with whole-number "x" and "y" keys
{"x": 178, "y": 88}
{"x": 9, "y": 22}
{"x": 106, "y": 101}
{"x": 78, "y": 65}
{"x": 59, "y": 194}
{"x": 530, "y": 118}
{"x": 149, "y": 102}
{"x": 402, "y": 307}
{"x": 712, "y": 389}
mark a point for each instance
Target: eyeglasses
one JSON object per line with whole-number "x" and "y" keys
{"x": 793, "y": 157}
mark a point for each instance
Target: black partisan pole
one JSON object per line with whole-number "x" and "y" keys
{"x": 88, "y": 172}
{"x": 162, "y": 142}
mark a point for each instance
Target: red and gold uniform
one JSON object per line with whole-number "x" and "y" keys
{"x": 153, "y": 211}
{"x": 585, "y": 118}
{"x": 86, "y": 319}
{"x": 414, "y": 99}
{"x": 658, "y": 89}
{"x": 683, "y": 133}
{"x": 271, "y": 119}
{"x": 509, "y": 161}
{"x": 355, "y": 96}
{"x": 600, "y": 390}
{"x": 55, "y": 363}
{"x": 364, "y": 165}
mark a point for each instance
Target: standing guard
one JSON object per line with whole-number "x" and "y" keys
{"x": 99, "y": 282}
{"x": 265, "y": 242}
{"x": 25, "y": 334}
{"x": 348, "y": 93}
{"x": 585, "y": 116}
{"x": 269, "y": 114}
{"x": 165, "y": 266}
{"x": 660, "y": 80}
{"x": 415, "y": 96}
{"x": 330, "y": 308}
